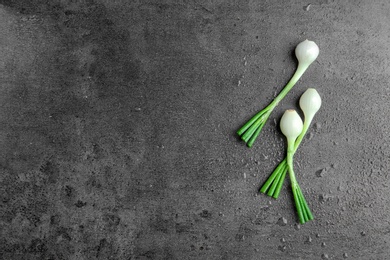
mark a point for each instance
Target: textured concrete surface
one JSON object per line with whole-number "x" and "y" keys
{"x": 118, "y": 123}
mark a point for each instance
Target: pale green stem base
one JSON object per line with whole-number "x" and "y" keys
{"x": 251, "y": 130}
{"x": 303, "y": 211}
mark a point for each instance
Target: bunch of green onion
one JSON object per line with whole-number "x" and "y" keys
{"x": 310, "y": 103}
{"x": 292, "y": 127}
{"x": 306, "y": 52}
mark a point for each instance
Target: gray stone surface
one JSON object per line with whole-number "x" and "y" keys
{"x": 118, "y": 123}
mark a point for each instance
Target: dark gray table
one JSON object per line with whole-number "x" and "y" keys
{"x": 118, "y": 123}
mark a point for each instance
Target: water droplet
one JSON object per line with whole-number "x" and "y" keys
{"x": 345, "y": 255}
{"x": 325, "y": 256}
{"x": 308, "y": 240}
{"x": 321, "y": 172}
{"x": 282, "y": 248}
{"x": 363, "y": 233}
{"x": 316, "y": 125}
{"x": 318, "y": 235}
{"x": 297, "y": 226}
{"x": 323, "y": 244}
{"x": 282, "y": 221}
{"x": 282, "y": 240}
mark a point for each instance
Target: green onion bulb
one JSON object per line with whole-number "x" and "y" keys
{"x": 306, "y": 52}
{"x": 291, "y": 124}
{"x": 310, "y": 103}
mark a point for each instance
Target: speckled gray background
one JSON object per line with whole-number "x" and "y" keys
{"x": 118, "y": 123}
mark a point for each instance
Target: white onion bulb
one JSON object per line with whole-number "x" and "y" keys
{"x": 306, "y": 52}
{"x": 291, "y": 124}
{"x": 310, "y": 103}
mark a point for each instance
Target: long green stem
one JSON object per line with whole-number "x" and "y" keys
{"x": 290, "y": 154}
{"x": 306, "y": 125}
{"x": 303, "y": 211}
{"x": 252, "y": 129}
{"x": 298, "y": 203}
{"x": 271, "y": 178}
{"x": 256, "y": 134}
{"x": 280, "y": 184}
{"x": 276, "y": 179}
{"x": 306, "y": 207}
{"x": 250, "y": 122}
{"x": 282, "y": 167}
{"x": 297, "y": 75}
{"x": 294, "y": 186}
{"x": 274, "y": 185}
{"x": 256, "y": 123}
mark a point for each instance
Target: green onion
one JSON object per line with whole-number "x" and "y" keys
{"x": 291, "y": 125}
{"x": 306, "y": 52}
{"x": 310, "y": 103}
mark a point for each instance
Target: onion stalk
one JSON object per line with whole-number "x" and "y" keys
{"x": 306, "y": 52}
{"x": 310, "y": 103}
{"x": 291, "y": 125}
